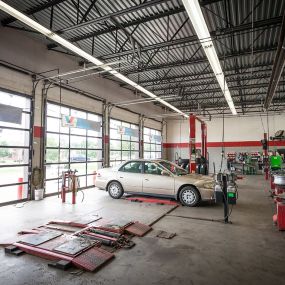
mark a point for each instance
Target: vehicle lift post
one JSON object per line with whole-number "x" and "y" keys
{"x": 192, "y": 141}
{"x": 266, "y": 159}
{"x": 225, "y": 200}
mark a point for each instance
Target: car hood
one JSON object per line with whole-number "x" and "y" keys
{"x": 195, "y": 179}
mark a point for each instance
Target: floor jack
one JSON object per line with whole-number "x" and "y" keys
{"x": 279, "y": 198}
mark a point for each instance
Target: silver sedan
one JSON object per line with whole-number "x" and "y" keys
{"x": 159, "y": 178}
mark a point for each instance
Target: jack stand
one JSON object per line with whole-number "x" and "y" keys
{"x": 67, "y": 177}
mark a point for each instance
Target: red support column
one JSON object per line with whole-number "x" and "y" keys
{"x": 192, "y": 147}
{"x": 204, "y": 139}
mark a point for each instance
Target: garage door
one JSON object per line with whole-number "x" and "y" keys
{"x": 15, "y": 121}
{"x": 70, "y": 147}
{"x": 122, "y": 145}
{"x": 152, "y": 143}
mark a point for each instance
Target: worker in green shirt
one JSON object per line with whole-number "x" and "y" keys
{"x": 275, "y": 161}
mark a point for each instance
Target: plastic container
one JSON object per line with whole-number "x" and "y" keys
{"x": 39, "y": 194}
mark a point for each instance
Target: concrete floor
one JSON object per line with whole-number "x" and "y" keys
{"x": 248, "y": 251}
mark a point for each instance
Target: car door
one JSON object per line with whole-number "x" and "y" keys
{"x": 130, "y": 176}
{"x": 157, "y": 180}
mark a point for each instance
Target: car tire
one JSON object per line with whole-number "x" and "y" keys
{"x": 189, "y": 196}
{"x": 115, "y": 190}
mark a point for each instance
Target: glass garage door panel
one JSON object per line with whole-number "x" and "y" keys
{"x": 70, "y": 148}
{"x": 13, "y": 156}
{"x": 13, "y": 193}
{"x": 122, "y": 147}
{"x": 152, "y": 146}
{"x": 14, "y": 151}
{"x": 12, "y": 175}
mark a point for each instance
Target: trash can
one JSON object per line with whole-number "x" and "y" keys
{"x": 39, "y": 194}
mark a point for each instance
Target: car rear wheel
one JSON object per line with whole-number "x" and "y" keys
{"x": 189, "y": 196}
{"x": 115, "y": 190}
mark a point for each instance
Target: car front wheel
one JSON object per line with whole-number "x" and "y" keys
{"x": 189, "y": 196}
{"x": 115, "y": 190}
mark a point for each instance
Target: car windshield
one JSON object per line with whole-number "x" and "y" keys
{"x": 175, "y": 169}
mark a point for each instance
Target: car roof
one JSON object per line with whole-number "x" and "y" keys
{"x": 144, "y": 159}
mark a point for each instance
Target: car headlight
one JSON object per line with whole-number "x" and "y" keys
{"x": 209, "y": 185}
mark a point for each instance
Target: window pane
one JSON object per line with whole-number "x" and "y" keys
{"x": 80, "y": 167}
{"x": 77, "y": 142}
{"x": 94, "y": 155}
{"x": 53, "y": 110}
{"x": 90, "y": 180}
{"x": 7, "y": 98}
{"x": 64, "y": 140}
{"x": 93, "y": 166}
{"x": 52, "y": 140}
{"x": 82, "y": 182}
{"x": 10, "y": 137}
{"x": 12, "y": 193}
{"x": 126, "y": 145}
{"x": 53, "y": 124}
{"x": 15, "y": 174}
{"x": 94, "y": 133}
{"x": 146, "y": 155}
{"x": 11, "y": 156}
{"x": 134, "y": 146}
{"x": 64, "y": 155}
{"x": 146, "y": 146}
{"x": 114, "y": 134}
{"x": 114, "y": 124}
{"x": 94, "y": 142}
{"x": 158, "y": 155}
{"x": 115, "y": 145}
{"x": 134, "y": 155}
{"x": 78, "y": 114}
{"x": 126, "y": 155}
{"x": 77, "y": 131}
{"x": 115, "y": 155}
{"x": 77, "y": 155}
{"x": 55, "y": 170}
{"x": 52, "y": 155}
{"x": 52, "y": 186}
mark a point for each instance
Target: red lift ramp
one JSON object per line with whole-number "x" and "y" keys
{"x": 138, "y": 229}
{"x": 92, "y": 259}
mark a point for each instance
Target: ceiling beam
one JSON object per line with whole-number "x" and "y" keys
{"x": 33, "y": 10}
{"x": 187, "y": 79}
{"x": 194, "y": 39}
{"x": 278, "y": 66}
{"x": 197, "y": 61}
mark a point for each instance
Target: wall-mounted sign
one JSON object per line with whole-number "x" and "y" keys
{"x": 128, "y": 131}
{"x": 74, "y": 122}
{"x": 10, "y": 114}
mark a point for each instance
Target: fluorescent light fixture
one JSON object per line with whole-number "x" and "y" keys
{"x": 195, "y": 14}
{"x": 48, "y": 33}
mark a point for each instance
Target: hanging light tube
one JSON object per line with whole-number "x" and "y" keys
{"x": 195, "y": 15}
{"x": 48, "y": 33}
